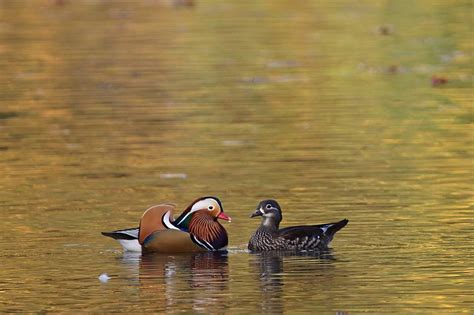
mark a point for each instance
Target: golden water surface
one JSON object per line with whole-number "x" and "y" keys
{"x": 337, "y": 109}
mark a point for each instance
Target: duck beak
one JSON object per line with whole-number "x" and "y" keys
{"x": 224, "y": 216}
{"x": 257, "y": 213}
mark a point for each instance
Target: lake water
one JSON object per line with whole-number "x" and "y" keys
{"x": 337, "y": 109}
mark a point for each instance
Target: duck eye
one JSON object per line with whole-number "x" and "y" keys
{"x": 210, "y": 208}
{"x": 268, "y": 206}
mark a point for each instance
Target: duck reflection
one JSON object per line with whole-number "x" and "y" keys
{"x": 194, "y": 281}
{"x": 273, "y": 267}
{"x": 268, "y": 267}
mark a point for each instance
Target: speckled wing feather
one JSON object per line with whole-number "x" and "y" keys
{"x": 300, "y": 231}
{"x": 302, "y": 237}
{"x": 322, "y": 230}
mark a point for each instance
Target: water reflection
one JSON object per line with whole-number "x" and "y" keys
{"x": 272, "y": 267}
{"x": 109, "y": 106}
{"x": 194, "y": 281}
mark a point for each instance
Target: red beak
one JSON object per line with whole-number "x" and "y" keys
{"x": 224, "y": 216}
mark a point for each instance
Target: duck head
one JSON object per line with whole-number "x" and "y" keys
{"x": 209, "y": 205}
{"x": 270, "y": 212}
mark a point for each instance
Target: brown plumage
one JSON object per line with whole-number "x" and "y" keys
{"x": 196, "y": 229}
{"x": 205, "y": 227}
{"x": 152, "y": 220}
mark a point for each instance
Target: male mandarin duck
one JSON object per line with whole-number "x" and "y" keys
{"x": 306, "y": 237}
{"x": 195, "y": 230}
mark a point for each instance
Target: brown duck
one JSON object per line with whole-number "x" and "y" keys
{"x": 295, "y": 238}
{"x": 195, "y": 230}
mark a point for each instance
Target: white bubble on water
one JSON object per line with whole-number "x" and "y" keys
{"x": 104, "y": 278}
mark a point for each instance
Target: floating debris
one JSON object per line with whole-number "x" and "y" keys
{"x": 104, "y": 278}
{"x": 233, "y": 143}
{"x": 255, "y": 80}
{"x": 437, "y": 80}
{"x": 183, "y": 3}
{"x": 60, "y": 3}
{"x": 393, "y": 69}
{"x": 385, "y": 30}
{"x": 273, "y": 79}
{"x": 283, "y": 64}
{"x": 8, "y": 115}
{"x": 173, "y": 175}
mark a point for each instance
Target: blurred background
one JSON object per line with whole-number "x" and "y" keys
{"x": 337, "y": 109}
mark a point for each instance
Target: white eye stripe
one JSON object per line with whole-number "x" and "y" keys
{"x": 204, "y": 204}
{"x": 200, "y": 205}
{"x": 271, "y": 208}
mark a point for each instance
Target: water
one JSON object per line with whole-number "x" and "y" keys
{"x": 336, "y": 109}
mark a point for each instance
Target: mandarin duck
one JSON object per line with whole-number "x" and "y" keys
{"x": 195, "y": 230}
{"x": 295, "y": 238}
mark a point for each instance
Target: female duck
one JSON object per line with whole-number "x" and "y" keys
{"x": 306, "y": 237}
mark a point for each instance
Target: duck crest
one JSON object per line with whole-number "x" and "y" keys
{"x": 184, "y": 219}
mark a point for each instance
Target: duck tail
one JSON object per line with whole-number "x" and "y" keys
{"x": 334, "y": 227}
{"x": 127, "y": 234}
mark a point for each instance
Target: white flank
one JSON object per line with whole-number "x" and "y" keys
{"x": 131, "y": 245}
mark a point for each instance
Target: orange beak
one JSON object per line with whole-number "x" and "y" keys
{"x": 224, "y": 216}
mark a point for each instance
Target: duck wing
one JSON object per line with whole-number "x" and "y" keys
{"x": 294, "y": 232}
{"x": 318, "y": 231}
{"x": 156, "y": 218}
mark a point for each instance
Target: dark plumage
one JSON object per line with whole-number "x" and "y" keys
{"x": 295, "y": 238}
{"x": 207, "y": 229}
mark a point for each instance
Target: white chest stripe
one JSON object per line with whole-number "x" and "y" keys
{"x": 210, "y": 246}
{"x": 200, "y": 243}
